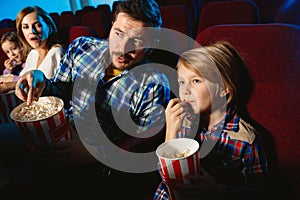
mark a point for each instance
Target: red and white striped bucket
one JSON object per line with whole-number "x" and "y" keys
{"x": 176, "y": 162}
{"x": 8, "y": 101}
{"x": 51, "y": 129}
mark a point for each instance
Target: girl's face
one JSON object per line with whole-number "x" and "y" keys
{"x": 13, "y": 51}
{"x": 196, "y": 91}
{"x": 35, "y": 30}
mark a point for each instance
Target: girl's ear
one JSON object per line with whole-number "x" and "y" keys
{"x": 224, "y": 92}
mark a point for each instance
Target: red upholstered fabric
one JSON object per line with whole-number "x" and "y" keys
{"x": 67, "y": 19}
{"x": 98, "y": 21}
{"x": 176, "y": 17}
{"x": 271, "y": 52}
{"x": 289, "y": 12}
{"x": 228, "y": 12}
{"x": 77, "y": 31}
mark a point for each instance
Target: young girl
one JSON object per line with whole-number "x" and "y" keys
{"x": 211, "y": 89}
{"x": 12, "y": 47}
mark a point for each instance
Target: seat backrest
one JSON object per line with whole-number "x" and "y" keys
{"x": 180, "y": 21}
{"x": 7, "y": 23}
{"x": 67, "y": 19}
{"x": 271, "y": 52}
{"x": 228, "y": 12}
{"x": 105, "y": 9}
{"x": 98, "y": 21}
{"x": 77, "y": 31}
{"x": 267, "y": 9}
{"x": 289, "y": 12}
{"x": 193, "y": 9}
{"x": 55, "y": 17}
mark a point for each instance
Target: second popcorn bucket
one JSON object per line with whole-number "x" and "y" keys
{"x": 44, "y": 121}
{"x": 177, "y": 158}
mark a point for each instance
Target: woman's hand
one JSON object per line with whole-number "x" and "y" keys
{"x": 175, "y": 113}
{"x": 30, "y": 86}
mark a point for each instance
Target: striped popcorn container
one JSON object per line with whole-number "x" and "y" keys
{"x": 8, "y": 101}
{"x": 42, "y": 122}
{"x": 178, "y": 158}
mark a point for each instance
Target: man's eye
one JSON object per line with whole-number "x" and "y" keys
{"x": 119, "y": 34}
{"x": 138, "y": 43}
{"x": 180, "y": 82}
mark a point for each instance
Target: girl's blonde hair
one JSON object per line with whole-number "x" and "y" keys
{"x": 51, "y": 41}
{"x": 221, "y": 61}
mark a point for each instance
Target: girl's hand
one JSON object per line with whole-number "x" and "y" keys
{"x": 175, "y": 113}
{"x": 201, "y": 187}
{"x": 9, "y": 64}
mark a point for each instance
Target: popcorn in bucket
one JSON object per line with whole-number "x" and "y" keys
{"x": 8, "y": 101}
{"x": 178, "y": 158}
{"x": 43, "y": 121}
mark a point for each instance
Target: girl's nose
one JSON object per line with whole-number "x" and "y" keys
{"x": 185, "y": 89}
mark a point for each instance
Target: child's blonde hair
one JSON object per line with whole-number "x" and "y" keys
{"x": 221, "y": 61}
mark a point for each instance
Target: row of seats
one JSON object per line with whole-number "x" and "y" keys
{"x": 192, "y": 16}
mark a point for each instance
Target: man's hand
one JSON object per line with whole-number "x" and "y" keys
{"x": 30, "y": 86}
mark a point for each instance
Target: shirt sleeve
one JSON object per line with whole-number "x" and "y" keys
{"x": 253, "y": 181}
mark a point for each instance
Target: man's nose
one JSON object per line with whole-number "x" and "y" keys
{"x": 127, "y": 46}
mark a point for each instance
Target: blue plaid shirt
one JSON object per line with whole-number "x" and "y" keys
{"x": 137, "y": 95}
{"x": 240, "y": 166}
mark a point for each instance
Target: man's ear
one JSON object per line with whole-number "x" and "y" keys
{"x": 155, "y": 43}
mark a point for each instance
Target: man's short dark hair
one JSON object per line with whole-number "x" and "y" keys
{"x": 146, "y": 11}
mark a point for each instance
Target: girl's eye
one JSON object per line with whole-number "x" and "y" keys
{"x": 196, "y": 81}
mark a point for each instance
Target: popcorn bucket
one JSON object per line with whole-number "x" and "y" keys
{"x": 8, "y": 101}
{"x": 178, "y": 158}
{"x": 42, "y": 122}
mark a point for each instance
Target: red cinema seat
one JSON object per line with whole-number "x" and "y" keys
{"x": 77, "y": 31}
{"x": 98, "y": 21}
{"x": 271, "y": 52}
{"x": 228, "y": 12}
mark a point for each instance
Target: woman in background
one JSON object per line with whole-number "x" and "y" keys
{"x": 38, "y": 33}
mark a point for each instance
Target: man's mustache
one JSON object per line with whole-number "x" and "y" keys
{"x": 126, "y": 55}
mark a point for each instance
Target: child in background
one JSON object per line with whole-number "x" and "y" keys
{"x": 12, "y": 47}
{"x": 211, "y": 89}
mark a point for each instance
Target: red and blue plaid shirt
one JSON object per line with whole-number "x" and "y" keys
{"x": 238, "y": 165}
